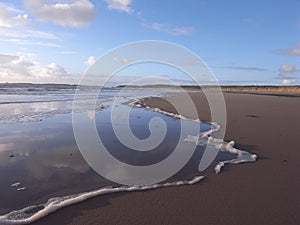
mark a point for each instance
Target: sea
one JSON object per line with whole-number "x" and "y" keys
{"x": 44, "y": 166}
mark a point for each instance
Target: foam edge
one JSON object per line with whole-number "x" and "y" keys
{"x": 33, "y": 213}
{"x": 205, "y": 138}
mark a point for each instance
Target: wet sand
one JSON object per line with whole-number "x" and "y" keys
{"x": 264, "y": 192}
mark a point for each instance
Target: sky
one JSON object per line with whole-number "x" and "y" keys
{"x": 242, "y": 42}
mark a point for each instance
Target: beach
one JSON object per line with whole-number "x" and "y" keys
{"x": 264, "y": 192}
{"x": 128, "y": 112}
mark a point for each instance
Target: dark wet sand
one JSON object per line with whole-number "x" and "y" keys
{"x": 264, "y": 192}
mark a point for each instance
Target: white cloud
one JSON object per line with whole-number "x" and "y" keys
{"x": 69, "y": 52}
{"x": 170, "y": 29}
{"x": 90, "y": 61}
{"x": 21, "y": 33}
{"x": 7, "y": 58}
{"x": 40, "y": 34}
{"x": 29, "y": 42}
{"x": 249, "y": 68}
{"x": 13, "y": 29}
{"x": 288, "y": 81}
{"x": 33, "y": 3}
{"x": 183, "y": 30}
{"x": 30, "y": 55}
{"x": 121, "y": 5}
{"x": 76, "y": 13}
{"x": 11, "y": 17}
{"x": 285, "y": 68}
{"x": 54, "y": 70}
{"x": 19, "y": 68}
{"x": 294, "y": 51}
{"x": 124, "y": 61}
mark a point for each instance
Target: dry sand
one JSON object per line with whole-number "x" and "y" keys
{"x": 264, "y": 192}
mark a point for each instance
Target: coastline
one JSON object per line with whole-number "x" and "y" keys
{"x": 260, "y": 193}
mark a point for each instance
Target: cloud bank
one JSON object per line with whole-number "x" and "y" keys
{"x": 76, "y": 13}
{"x": 10, "y": 17}
{"x": 19, "y": 68}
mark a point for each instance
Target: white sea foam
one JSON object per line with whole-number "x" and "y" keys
{"x": 205, "y": 138}
{"x": 21, "y": 189}
{"x": 36, "y": 212}
{"x": 16, "y": 184}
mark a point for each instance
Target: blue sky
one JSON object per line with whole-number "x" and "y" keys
{"x": 243, "y": 42}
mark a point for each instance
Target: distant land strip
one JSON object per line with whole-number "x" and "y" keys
{"x": 225, "y": 88}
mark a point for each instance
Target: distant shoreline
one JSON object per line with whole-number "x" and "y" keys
{"x": 226, "y": 88}
{"x": 263, "y": 89}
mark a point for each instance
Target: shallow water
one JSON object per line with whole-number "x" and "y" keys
{"x": 39, "y": 157}
{"x": 44, "y": 158}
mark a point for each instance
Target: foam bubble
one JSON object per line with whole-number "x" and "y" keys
{"x": 221, "y": 145}
{"x": 16, "y": 184}
{"x": 205, "y": 138}
{"x": 36, "y": 212}
{"x": 21, "y": 189}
